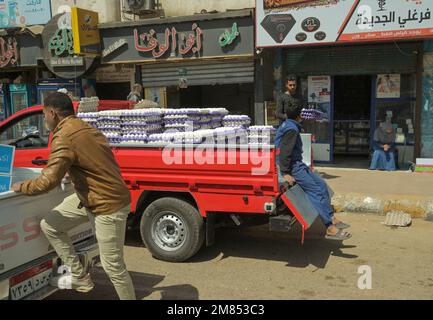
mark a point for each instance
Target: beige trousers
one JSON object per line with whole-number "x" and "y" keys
{"x": 110, "y": 234}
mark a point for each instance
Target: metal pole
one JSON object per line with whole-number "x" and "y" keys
{"x": 419, "y": 99}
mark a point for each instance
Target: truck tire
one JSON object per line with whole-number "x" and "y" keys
{"x": 172, "y": 229}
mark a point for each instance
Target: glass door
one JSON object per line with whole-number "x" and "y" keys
{"x": 19, "y": 101}
{"x": 317, "y": 95}
{"x": 394, "y": 101}
{"x": 2, "y": 107}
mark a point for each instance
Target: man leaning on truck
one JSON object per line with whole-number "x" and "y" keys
{"x": 101, "y": 196}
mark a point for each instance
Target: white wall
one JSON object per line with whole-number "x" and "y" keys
{"x": 189, "y": 7}
{"x": 109, "y": 10}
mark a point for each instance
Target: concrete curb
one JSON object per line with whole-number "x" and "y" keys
{"x": 417, "y": 207}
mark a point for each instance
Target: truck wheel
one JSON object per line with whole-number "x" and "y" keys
{"x": 172, "y": 229}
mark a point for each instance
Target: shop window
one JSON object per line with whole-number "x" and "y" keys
{"x": 400, "y": 110}
{"x": 408, "y": 86}
{"x": 402, "y": 116}
{"x": 319, "y": 129}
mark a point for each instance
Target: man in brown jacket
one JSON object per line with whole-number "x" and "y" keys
{"x": 101, "y": 196}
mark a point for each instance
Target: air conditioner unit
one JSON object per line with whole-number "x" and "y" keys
{"x": 139, "y": 7}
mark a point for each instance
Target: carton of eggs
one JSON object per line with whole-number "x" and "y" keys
{"x": 88, "y": 104}
{"x": 312, "y": 114}
{"x": 236, "y": 120}
{"x": 134, "y": 138}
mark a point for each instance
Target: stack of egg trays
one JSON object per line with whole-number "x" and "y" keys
{"x": 185, "y": 119}
{"x": 236, "y": 121}
{"x": 261, "y": 135}
{"x": 89, "y": 117}
{"x": 231, "y": 135}
{"x": 135, "y": 139}
{"x": 217, "y": 115}
{"x": 312, "y": 114}
{"x": 110, "y": 123}
{"x": 141, "y": 123}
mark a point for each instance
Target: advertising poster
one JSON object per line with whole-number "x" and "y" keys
{"x": 6, "y": 159}
{"x": 319, "y": 89}
{"x": 15, "y": 13}
{"x": 319, "y": 93}
{"x": 6, "y": 166}
{"x": 5, "y": 183}
{"x": 271, "y": 108}
{"x": 388, "y": 86}
{"x": 290, "y": 23}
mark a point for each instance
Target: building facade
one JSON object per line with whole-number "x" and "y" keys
{"x": 360, "y": 63}
{"x": 204, "y": 60}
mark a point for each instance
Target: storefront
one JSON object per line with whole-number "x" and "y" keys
{"x": 201, "y": 60}
{"x": 361, "y": 68}
{"x": 427, "y": 104}
{"x": 19, "y": 51}
{"x": 365, "y": 85}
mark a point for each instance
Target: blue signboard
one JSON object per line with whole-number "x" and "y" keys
{"x": 5, "y": 183}
{"x": 15, "y": 13}
{"x": 6, "y": 159}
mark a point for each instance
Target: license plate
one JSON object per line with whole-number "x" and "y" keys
{"x": 30, "y": 281}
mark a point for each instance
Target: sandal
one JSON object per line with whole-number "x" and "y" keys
{"x": 339, "y": 236}
{"x": 342, "y": 225}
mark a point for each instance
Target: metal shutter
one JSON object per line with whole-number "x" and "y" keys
{"x": 346, "y": 60}
{"x": 204, "y": 72}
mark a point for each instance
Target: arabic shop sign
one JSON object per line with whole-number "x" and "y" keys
{"x": 117, "y": 45}
{"x": 59, "y": 54}
{"x": 219, "y": 37}
{"x": 343, "y": 21}
{"x": 85, "y": 30}
{"x": 61, "y": 43}
{"x": 9, "y": 54}
{"x": 173, "y": 42}
{"x": 67, "y": 62}
{"x": 228, "y": 37}
{"x": 385, "y": 19}
{"x": 14, "y": 13}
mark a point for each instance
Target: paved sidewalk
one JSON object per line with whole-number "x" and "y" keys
{"x": 358, "y": 190}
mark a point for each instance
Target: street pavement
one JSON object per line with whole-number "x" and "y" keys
{"x": 253, "y": 263}
{"x": 380, "y": 192}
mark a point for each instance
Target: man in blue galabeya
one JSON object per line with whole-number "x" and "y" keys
{"x": 292, "y": 170}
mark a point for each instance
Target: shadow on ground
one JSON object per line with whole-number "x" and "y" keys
{"x": 260, "y": 243}
{"x": 326, "y": 176}
{"x": 145, "y": 285}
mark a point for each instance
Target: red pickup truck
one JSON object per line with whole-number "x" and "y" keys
{"x": 178, "y": 204}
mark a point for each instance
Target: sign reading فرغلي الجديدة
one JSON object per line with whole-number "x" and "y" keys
{"x": 6, "y": 165}
{"x": 289, "y": 23}
{"x": 85, "y": 32}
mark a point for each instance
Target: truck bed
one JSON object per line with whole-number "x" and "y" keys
{"x": 219, "y": 184}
